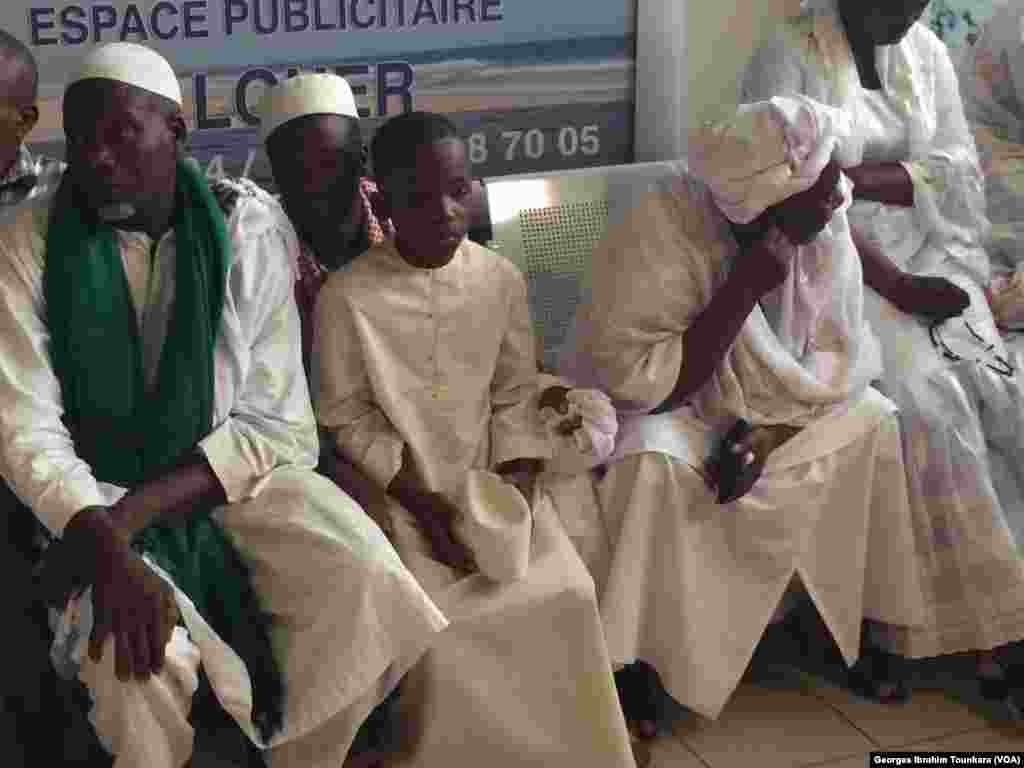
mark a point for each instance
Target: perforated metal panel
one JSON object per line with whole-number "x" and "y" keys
{"x": 549, "y": 225}
{"x": 558, "y": 243}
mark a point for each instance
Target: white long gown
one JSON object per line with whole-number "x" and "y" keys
{"x": 691, "y": 584}
{"x": 443, "y": 361}
{"x": 955, "y": 416}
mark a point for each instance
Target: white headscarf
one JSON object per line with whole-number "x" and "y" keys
{"x": 767, "y": 152}
{"x": 806, "y": 348}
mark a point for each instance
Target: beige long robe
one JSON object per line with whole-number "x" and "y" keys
{"x": 692, "y": 585}
{"x": 444, "y": 361}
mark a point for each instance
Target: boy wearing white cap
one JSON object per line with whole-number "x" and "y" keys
{"x": 425, "y": 376}
{"x": 159, "y": 426}
{"x": 730, "y": 293}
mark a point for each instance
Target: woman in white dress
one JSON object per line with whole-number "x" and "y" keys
{"x": 919, "y": 223}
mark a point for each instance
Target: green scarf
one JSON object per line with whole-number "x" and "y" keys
{"x": 128, "y": 435}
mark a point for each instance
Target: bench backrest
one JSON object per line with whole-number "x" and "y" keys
{"x": 549, "y": 223}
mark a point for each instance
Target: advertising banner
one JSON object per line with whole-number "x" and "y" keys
{"x": 532, "y": 84}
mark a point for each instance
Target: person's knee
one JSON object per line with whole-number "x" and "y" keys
{"x": 147, "y": 718}
{"x": 178, "y": 680}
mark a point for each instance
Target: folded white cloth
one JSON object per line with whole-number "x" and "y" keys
{"x": 496, "y": 524}
{"x": 69, "y": 626}
{"x": 593, "y": 440}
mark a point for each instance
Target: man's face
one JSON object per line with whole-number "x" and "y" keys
{"x": 803, "y": 216}
{"x": 121, "y": 143}
{"x": 882, "y": 22}
{"x": 427, "y": 203}
{"x": 18, "y": 113}
{"x": 317, "y": 163}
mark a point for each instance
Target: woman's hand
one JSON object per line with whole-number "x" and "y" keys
{"x": 556, "y": 399}
{"x": 742, "y": 456}
{"x": 887, "y": 183}
{"x": 935, "y": 298}
{"x": 765, "y": 265}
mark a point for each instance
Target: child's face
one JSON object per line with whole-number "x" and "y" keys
{"x": 428, "y": 204}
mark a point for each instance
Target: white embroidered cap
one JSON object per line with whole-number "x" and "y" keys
{"x": 318, "y": 93}
{"x": 134, "y": 65}
{"x": 768, "y": 151}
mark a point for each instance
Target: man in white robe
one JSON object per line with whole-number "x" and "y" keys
{"x": 426, "y": 377}
{"x": 346, "y": 617}
{"x": 31, "y": 692}
{"x": 688, "y": 331}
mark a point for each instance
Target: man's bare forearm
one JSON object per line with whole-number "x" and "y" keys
{"x": 708, "y": 339}
{"x": 171, "y": 498}
{"x": 880, "y": 273}
{"x": 887, "y": 183}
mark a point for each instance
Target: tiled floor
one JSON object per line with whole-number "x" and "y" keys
{"x": 783, "y": 717}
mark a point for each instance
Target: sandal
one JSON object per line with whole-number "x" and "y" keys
{"x": 880, "y": 676}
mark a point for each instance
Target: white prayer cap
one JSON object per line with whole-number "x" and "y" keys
{"x": 318, "y": 93}
{"x": 132, "y": 64}
{"x": 768, "y": 151}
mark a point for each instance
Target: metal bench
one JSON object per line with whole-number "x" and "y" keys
{"x": 549, "y": 223}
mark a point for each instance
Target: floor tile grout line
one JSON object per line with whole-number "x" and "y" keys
{"x": 831, "y": 760}
{"x": 680, "y": 740}
{"x": 879, "y": 746}
{"x": 845, "y": 718}
{"x": 937, "y": 738}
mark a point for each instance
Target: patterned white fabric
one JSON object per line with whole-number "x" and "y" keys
{"x": 992, "y": 80}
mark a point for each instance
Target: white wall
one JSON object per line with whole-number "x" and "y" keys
{"x": 720, "y": 37}
{"x": 689, "y": 56}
